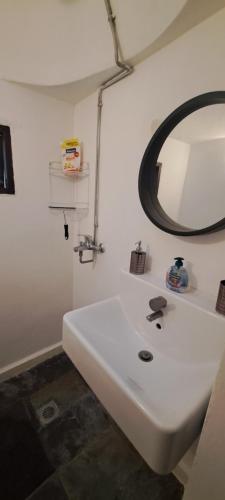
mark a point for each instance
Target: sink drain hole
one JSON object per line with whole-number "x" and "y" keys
{"x": 145, "y": 355}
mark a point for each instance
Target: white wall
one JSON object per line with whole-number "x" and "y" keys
{"x": 207, "y": 478}
{"x": 189, "y": 66}
{"x": 75, "y": 39}
{"x": 35, "y": 260}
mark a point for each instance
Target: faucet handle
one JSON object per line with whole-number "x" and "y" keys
{"x": 157, "y": 303}
{"x": 87, "y": 238}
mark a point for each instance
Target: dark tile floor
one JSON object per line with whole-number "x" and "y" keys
{"x": 79, "y": 455}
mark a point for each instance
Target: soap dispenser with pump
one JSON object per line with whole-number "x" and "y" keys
{"x": 177, "y": 276}
{"x": 137, "y": 260}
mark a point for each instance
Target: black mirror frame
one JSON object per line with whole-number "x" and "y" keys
{"x": 6, "y": 162}
{"x": 147, "y": 182}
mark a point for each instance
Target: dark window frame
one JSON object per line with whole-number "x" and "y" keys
{"x": 7, "y": 185}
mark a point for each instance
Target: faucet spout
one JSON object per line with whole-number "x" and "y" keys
{"x": 156, "y": 304}
{"x": 155, "y": 315}
{"x": 79, "y": 248}
{"x": 88, "y": 244}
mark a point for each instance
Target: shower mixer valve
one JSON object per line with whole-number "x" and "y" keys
{"x": 88, "y": 243}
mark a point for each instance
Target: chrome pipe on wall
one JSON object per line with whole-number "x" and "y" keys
{"x": 125, "y": 70}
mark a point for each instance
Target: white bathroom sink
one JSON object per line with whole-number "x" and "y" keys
{"x": 160, "y": 405}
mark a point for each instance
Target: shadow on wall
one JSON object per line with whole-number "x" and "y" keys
{"x": 204, "y": 239}
{"x": 192, "y": 14}
{"x": 201, "y": 240}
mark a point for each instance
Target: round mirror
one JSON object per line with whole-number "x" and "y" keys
{"x": 182, "y": 175}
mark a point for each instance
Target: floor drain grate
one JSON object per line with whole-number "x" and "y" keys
{"x": 48, "y": 412}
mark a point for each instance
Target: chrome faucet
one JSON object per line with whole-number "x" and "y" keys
{"x": 156, "y": 304}
{"x": 88, "y": 244}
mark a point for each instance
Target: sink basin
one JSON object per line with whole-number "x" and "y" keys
{"x": 159, "y": 404}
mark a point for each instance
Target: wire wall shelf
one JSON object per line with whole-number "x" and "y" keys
{"x": 56, "y": 169}
{"x": 67, "y": 192}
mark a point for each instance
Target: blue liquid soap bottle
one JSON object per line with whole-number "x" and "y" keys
{"x": 177, "y": 277}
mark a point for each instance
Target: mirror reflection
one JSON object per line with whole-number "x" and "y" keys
{"x": 191, "y": 167}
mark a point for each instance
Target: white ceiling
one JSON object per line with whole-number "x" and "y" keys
{"x": 64, "y": 47}
{"x": 51, "y": 42}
